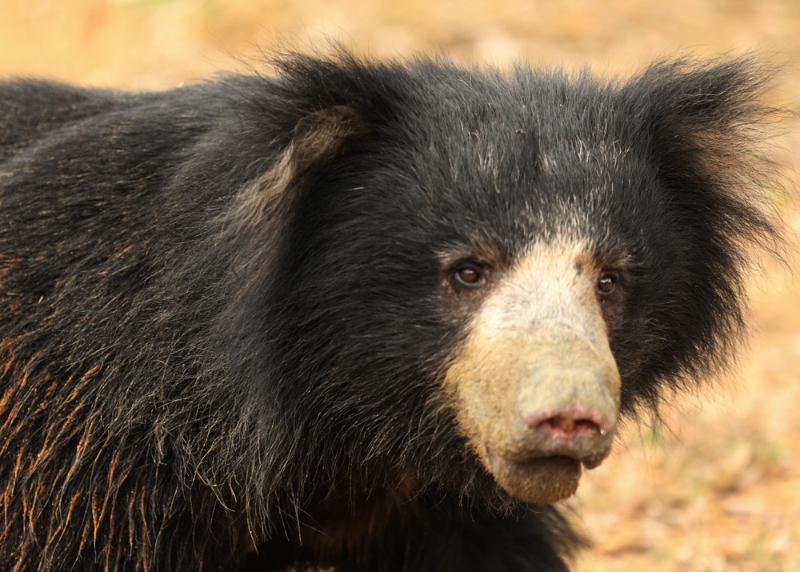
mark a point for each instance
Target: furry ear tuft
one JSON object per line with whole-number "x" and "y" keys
{"x": 707, "y": 124}
{"x": 324, "y": 134}
{"x": 316, "y": 138}
{"x": 712, "y": 113}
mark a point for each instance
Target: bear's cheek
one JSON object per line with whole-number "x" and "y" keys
{"x": 535, "y": 387}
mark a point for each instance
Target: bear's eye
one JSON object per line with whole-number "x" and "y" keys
{"x": 605, "y": 284}
{"x": 470, "y": 275}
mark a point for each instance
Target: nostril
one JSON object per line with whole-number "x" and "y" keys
{"x": 569, "y": 422}
{"x": 560, "y": 426}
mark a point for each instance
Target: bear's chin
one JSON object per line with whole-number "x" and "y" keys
{"x": 544, "y": 480}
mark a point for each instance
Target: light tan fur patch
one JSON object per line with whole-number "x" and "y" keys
{"x": 537, "y": 344}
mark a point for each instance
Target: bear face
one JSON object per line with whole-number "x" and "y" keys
{"x": 543, "y": 246}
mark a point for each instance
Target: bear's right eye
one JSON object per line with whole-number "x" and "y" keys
{"x": 470, "y": 275}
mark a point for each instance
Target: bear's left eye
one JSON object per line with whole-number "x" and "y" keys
{"x": 606, "y": 283}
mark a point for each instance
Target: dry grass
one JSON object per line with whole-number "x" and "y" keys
{"x": 719, "y": 487}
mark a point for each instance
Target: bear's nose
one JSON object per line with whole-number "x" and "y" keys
{"x": 566, "y": 411}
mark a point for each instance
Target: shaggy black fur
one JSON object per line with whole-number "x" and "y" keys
{"x": 221, "y": 326}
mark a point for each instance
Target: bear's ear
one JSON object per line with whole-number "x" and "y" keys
{"x": 705, "y": 127}
{"x": 264, "y": 208}
{"x": 704, "y": 122}
{"x": 321, "y": 135}
{"x": 323, "y": 104}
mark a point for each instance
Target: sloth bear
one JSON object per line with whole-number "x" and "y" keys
{"x": 358, "y": 316}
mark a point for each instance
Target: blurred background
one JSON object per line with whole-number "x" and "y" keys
{"x": 717, "y": 486}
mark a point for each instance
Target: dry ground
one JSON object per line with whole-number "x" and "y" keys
{"x": 718, "y": 487}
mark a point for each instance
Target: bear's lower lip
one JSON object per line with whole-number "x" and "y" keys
{"x": 503, "y": 462}
{"x": 590, "y": 462}
{"x": 588, "y": 457}
{"x": 536, "y": 480}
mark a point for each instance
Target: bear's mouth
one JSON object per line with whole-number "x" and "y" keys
{"x": 589, "y": 450}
